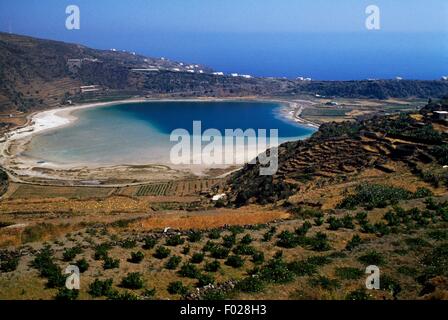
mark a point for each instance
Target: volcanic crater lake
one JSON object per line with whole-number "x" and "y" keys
{"x": 139, "y": 133}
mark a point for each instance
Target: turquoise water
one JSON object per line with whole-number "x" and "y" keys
{"x": 139, "y": 133}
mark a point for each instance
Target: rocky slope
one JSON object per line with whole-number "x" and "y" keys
{"x": 339, "y": 152}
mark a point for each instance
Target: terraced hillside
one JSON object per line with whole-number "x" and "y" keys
{"x": 340, "y": 152}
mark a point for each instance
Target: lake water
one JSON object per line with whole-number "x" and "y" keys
{"x": 139, "y": 133}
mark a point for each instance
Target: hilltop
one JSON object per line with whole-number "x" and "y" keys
{"x": 39, "y": 74}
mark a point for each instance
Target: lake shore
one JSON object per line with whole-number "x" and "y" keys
{"x": 23, "y": 167}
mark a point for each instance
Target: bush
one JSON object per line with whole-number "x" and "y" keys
{"x": 438, "y": 235}
{"x": 234, "y": 261}
{"x": 348, "y": 273}
{"x": 128, "y": 244}
{"x": 247, "y": 239}
{"x": 250, "y": 285}
{"x": 302, "y": 268}
{"x": 287, "y": 240}
{"x": 359, "y": 294}
{"x": 8, "y": 262}
{"x": 48, "y": 269}
{"x": 101, "y": 251}
{"x": 198, "y": 257}
{"x": 325, "y": 283}
{"x": 219, "y": 252}
{"x": 374, "y": 196}
{"x": 213, "y": 266}
{"x": 177, "y": 287}
{"x": 214, "y": 234}
{"x": 244, "y": 249}
{"x": 189, "y": 270}
{"x": 161, "y": 252}
{"x": 110, "y": 263}
{"x": 83, "y": 265}
{"x": 258, "y": 257}
{"x": 132, "y": 281}
{"x": 303, "y": 230}
{"x": 204, "y": 280}
{"x": 276, "y": 271}
{"x": 173, "y": 262}
{"x": 65, "y": 294}
{"x": 319, "y": 260}
{"x": 353, "y": 243}
{"x": 186, "y": 250}
{"x": 268, "y": 235}
{"x": 100, "y": 288}
{"x": 319, "y": 242}
{"x": 229, "y": 241}
{"x": 372, "y": 258}
{"x": 194, "y": 236}
{"x": 174, "y": 241}
{"x": 136, "y": 257}
{"x": 70, "y": 253}
{"x": 149, "y": 243}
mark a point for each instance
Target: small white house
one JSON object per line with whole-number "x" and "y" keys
{"x": 441, "y": 115}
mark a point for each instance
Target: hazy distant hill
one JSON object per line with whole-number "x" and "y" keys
{"x": 36, "y": 74}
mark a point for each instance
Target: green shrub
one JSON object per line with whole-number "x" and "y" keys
{"x": 65, "y": 294}
{"x": 348, "y": 273}
{"x": 177, "y": 287}
{"x": 136, "y": 257}
{"x": 303, "y": 230}
{"x": 276, "y": 271}
{"x": 391, "y": 285}
{"x": 229, "y": 241}
{"x": 325, "y": 283}
{"x": 334, "y": 223}
{"x": 438, "y": 235}
{"x": 186, "y": 250}
{"x": 247, "y": 239}
{"x": 173, "y": 262}
{"x": 302, "y": 268}
{"x": 251, "y": 284}
{"x": 204, "y": 280}
{"x": 372, "y": 258}
{"x": 374, "y": 196}
{"x": 258, "y": 257}
{"x": 174, "y": 241}
{"x": 423, "y": 193}
{"x": 128, "y": 244}
{"x": 83, "y": 265}
{"x": 189, "y": 270}
{"x": 198, "y": 257}
{"x": 287, "y": 239}
{"x": 8, "y": 262}
{"x": 319, "y": 260}
{"x": 359, "y": 294}
{"x": 353, "y": 243}
{"x": 194, "y": 236}
{"x": 161, "y": 252}
{"x": 407, "y": 271}
{"x": 149, "y": 293}
{"x": 213, "y": 266}
{"x": 219, "y": 252}
{"x": 214, "y": 234}
{"x": 270, "y": 234}
{"x": 100, "y": 288}
{"x": 70, "y": 253}
{"x": 244, "y": 249}
{"x": 101, "y": 251}
{"x": 132, "y": 281}
{"x": 44, "y": 263}
{"x": 319, "y": 242}
{"x": 110, "y": 263}
{"x": 149, "y": 243}
{"x": 234, "y": 261}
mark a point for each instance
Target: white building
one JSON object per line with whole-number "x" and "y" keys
{"x": 218, "y": 73}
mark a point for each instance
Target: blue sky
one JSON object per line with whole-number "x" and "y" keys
{"x": 240, "y": 16}
{"x": 231, "y": 34}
